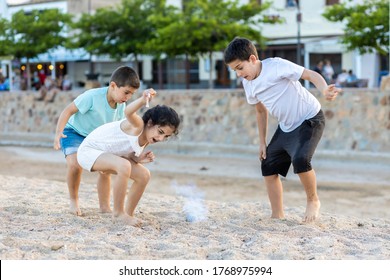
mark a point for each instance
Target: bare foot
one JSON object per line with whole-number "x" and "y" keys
{"x": 105, "y": 209}
{"x": 277, "y": 216}
{"x": 312, "y": 211}
{"x": 74, "y": 208}
{"x": 128, "y": 220}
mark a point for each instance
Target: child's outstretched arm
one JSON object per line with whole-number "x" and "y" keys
{"x": 329, "y": 91}
{"x": 133, "y": 107}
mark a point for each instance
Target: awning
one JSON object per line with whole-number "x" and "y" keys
{"x": 60, "y": 54}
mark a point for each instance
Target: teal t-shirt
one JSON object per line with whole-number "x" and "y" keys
{"x": 94, "y": 111}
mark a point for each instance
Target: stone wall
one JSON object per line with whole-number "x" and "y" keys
{"x": 358, "y": 120}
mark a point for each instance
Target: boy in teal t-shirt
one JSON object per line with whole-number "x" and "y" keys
{"x": 88, "y": 111}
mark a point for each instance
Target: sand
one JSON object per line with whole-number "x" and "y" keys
{"x": 354, "y": 223}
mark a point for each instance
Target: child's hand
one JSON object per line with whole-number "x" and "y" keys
{"x": 57, "y": 144}
{"x": 331, "y": 91}
{"x": 146, "y": 157}
{"x": 262, "y": 152}
{"x": 148, "y": 95}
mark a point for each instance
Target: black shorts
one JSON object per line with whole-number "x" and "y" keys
{"x": 296, "y": 147}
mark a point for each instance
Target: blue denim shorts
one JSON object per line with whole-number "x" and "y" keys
{"x": 71, "y": 143}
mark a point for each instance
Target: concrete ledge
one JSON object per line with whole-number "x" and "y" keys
{"x": 203, "y": 149}
{"x": 250, "y": 151}
{"x": 26, "y": 139}
{"x": 358, "y": 120}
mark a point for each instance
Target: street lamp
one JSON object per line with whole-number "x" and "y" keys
{"x": 292, "y": 4}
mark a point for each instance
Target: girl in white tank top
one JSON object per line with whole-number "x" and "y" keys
{"x": 119, "y": 148}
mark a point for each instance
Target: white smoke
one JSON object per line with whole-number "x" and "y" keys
{"x": 194, "y": 207}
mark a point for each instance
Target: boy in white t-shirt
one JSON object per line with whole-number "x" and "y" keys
{"x": 273, "y": 86}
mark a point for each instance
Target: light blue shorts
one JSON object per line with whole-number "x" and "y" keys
{"x": 71, "y": 143}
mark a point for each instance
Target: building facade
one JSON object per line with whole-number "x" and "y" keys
{"x": 305, "y": 38}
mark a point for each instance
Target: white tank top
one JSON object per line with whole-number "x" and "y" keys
{"x": 112, "y": 139}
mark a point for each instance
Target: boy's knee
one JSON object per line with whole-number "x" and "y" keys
{"x": 271, "y": 169}
{"x": 271, "y": 178}
{"x": 72, "y": 162}
{"x": 301, "y": 164}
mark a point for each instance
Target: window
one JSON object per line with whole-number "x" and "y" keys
{"x": 332, "y": 2}
{"x": 174, "y": 72}
{"x": 292, "y": 3}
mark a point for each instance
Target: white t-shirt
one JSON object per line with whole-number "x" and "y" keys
{"x": 280, "y": 91}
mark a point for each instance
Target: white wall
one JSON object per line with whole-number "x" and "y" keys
{"x": 61, "y": 5}
{"x": 147, "y": 69}
{"x": 367, "y": 68}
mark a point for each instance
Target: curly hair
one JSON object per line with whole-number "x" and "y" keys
{"x": 164, "y": 116}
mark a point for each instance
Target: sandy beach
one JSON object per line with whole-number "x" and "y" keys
{"x": 354, "y": 223}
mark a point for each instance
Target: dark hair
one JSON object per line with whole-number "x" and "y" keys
{"x": 241, "y": 49}
{"x": 164, "y": 116}
{"x": 125, "y": 76}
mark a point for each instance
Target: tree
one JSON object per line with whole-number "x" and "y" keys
{"x": 4, "y": 38}
{"x": 117, "y": 31}
{"x": 152, "y": 27}
{"x": 170, "y": 33}
{"x": 219, "y": 21}
{"x": 205, "y": 26}
{"x": 161, "y": 19}
{"x": 134, "y": 30}
{"x": 84, "y": 35}
{"x": 366, "y": 25}
{"x": 36, "y": 32}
